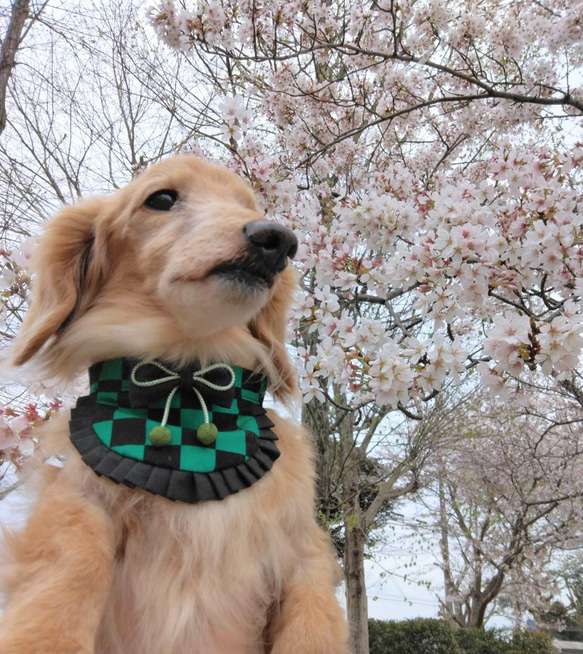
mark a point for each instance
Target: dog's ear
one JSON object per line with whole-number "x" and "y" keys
{"x": 69, "y": 265}
{"x": 269, "y": 327}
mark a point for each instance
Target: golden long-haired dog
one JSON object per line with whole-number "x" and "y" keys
{"x": 177, "y": 271}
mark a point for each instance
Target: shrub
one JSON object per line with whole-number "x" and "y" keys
{"x": 531, "y": 642}
{"x": 437, "y": 637}
{"x": 412, "y": 637}
{"x": 481, "y": 641}
{"x": 503, "y": 641}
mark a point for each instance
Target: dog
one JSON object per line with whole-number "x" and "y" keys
{"x": 179, "y": 270}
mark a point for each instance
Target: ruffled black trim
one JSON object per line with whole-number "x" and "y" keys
{"x": 178, "y": 485}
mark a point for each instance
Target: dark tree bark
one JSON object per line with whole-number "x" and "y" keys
{"x": 10, "y": 44}
{"x": 356, "y": 599}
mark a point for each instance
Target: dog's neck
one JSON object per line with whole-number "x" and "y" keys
{"x": 189, "y": 433}
{"x": 90, "y": 340}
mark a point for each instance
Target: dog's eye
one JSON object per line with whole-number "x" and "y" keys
{"x": 162, "y": 200}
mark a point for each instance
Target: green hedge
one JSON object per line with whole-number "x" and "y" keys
{"x": 437, "y": 637}
{"x": 497, "y": 641}
{"x": 412, "y": 637}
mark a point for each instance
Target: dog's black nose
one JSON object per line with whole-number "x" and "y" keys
{"x": 274, "y": 244}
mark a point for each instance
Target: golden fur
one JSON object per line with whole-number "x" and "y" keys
{"x": 103, "y": 569}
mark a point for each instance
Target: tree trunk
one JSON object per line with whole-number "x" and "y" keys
{"x": 451, "y": 607}
{"x": 315, "y": 418}
{"x": 19, "y": 14}
{"x": 482, "y": 599}
{"x": 356, "y": 601}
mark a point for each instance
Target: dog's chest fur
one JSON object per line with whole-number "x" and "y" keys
{"x": 194, "y": 579}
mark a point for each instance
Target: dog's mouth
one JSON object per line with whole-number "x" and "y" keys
{"x": 245, "y": 273}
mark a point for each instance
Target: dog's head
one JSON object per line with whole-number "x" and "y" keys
{"x": 179, "y": 264}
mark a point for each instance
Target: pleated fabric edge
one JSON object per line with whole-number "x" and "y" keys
{"x": 175, "y": 485}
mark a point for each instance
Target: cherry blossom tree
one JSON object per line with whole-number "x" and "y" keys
{"x": 428, "y": 152}
{"x": 440, "y": 222}
{"x": 505, "y": 500}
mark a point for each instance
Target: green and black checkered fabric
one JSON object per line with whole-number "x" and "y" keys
{"x": 113, "y": 436}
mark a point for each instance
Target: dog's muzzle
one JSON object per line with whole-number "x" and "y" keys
{"x": 270, "y": 243}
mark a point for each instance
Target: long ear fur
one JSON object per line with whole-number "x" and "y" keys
{"x": 269, "y": 327}
{"x": 69, "y": 264}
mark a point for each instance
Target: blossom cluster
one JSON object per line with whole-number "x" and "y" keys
{"x": 456, "y": 278}
{"x": 16, "y": 421}
{"x": 14, "y": 282}
{"x": 237, "y": 119}
{"x": 15, "y": 429}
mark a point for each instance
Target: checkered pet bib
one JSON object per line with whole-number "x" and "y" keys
{"x": 110, "y": 429}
